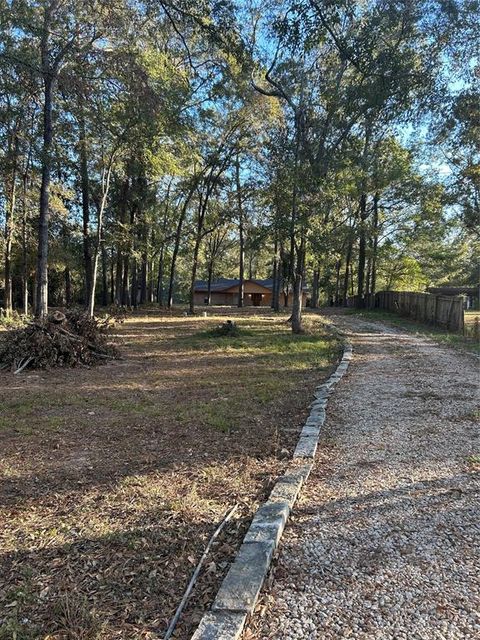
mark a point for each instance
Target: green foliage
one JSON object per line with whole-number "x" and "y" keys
{"x": 161, "y": 100}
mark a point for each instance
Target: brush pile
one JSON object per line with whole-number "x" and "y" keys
{"x": 60, "y": 340}
{"x": 228, "y": 328}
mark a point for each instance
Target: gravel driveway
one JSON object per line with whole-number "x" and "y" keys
{"x": 385, "y": 541}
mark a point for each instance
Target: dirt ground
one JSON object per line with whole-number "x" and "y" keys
{"x": 113, "y": 478}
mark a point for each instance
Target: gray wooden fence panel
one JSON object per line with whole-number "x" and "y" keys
{"x": 438, "y": 310}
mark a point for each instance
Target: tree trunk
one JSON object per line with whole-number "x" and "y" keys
{"x": 241, "y": 266}
{"x": 68, "y": 287}
{"x": 24, "y": 232}
{"x": 134, "y": 294}
{"x": 118, "y": 277}
{"x": 280, "y": 274}
{"x": 278, "y": 289}
{"x": 125, "y": 282}
{"x": 133, "y": 233}
{"x": 368, "y": 268}
{"x": 373, "y": 284}
{"x": 91, "y": 299}
{"x": 348, "y": 259}
{"x": 41, "y": 305}
{"x": 34, "y": 294}
{"x": 120, "y": 259}
{"x": 176, "y": 247}
{"x": 241, "y": 239}
{"x": 194, "y": 272}
{"x": 9, "y": 223}
{"x": 112, "y": 280}
{"x": 84, "y": 178}
{"x": 297, "y": 254}
{"x": 160, "y": 276}
{"x": 338, "y": 266}
{"x": 209, "y": 285}
{"x": 274, "y": 272}
{"x": 143, "y": 279}
{"x": 362, "y": 245}
{"x": 98, "y": 240}
{"x": 284, "y": 269}
{"x": 104, "y": 276}
{"x": 298, "y": 288}
{"x": 297, "y": 304}
{"x": 24, "y": 247}
{"x": 48, "y": 77}
{"x": 315, "y": 292}
{"x": 151, "y": 273}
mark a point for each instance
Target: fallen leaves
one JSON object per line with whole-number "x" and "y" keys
{"x": 110, "y": 513}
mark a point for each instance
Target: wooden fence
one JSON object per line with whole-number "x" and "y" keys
{"x": 437, "y": 310}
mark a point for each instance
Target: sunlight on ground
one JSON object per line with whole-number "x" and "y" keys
{"x": 114, "y": 476}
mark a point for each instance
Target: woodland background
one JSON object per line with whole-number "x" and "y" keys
{"x": 146, "y": 145}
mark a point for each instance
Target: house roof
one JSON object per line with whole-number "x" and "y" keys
{"x": 223, "y": 284}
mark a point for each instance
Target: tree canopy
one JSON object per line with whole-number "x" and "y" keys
{"x": 147, "y": 144}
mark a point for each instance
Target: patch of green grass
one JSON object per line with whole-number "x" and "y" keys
{"x": 269, "y": 343}
{"x": 261, "y": 363}
{"x": 220, "y": 414}
{"x": 240, "y": 375}
{"x": 12, "y": 629}
{"x": 24, "y": 411}
{"x": 15, "y": 321}
{"x": 441, "y": 336}
{"x": 13, "y": 626}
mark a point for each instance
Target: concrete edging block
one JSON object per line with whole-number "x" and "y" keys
{"x": 286, "y": 490}
{"x": 269, "y": 521}
{"x": 306, "y": 447}
{"x": 220, "y": 625}
{"x": 302, "y": 470}
{"x": 241, "y": 586}
{"x": 310, "y": 430}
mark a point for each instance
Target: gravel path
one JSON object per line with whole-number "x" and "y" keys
{"x": 385, "y": 541}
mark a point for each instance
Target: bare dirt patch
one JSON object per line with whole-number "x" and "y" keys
{"x": 114, "y": 478}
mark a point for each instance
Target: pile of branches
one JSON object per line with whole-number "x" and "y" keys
{"x": 60, "y": 340}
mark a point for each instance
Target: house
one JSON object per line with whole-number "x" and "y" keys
{"x": 224, "y": 291}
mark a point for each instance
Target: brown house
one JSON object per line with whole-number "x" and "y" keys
{"x": 224, "y": 291}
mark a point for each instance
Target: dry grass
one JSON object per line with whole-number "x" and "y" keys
{"x": 114, "y": 478}
{"x": 472, "y": 324}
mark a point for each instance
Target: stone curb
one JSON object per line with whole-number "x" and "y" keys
{"x": 240, "y": 589}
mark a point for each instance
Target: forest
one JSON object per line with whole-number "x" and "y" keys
{"x": 148, "y": 144}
